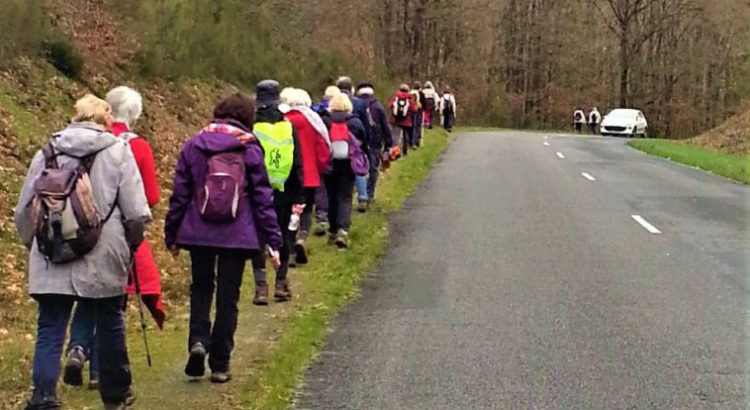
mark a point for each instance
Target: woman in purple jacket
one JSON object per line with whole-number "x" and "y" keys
{"x": 220, "y": 236}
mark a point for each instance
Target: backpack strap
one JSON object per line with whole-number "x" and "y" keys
{"x": 112, "y": 209}
{"x": 50, "y": 157}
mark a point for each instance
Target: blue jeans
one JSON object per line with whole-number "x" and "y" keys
{"x": 114, "y": 369}
{"x": 361, "y": 183}
{"x": 83, "y": 335}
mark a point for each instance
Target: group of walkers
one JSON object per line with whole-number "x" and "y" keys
{"x": 246, "y": 187}
{"x": 580, "y": 119}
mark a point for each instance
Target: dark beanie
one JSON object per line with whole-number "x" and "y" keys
{"x": 267, "y": 93}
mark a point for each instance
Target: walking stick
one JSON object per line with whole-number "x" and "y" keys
{"x": 140, "y": 309}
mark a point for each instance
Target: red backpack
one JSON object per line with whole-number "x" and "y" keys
{"x": 340, "y": 140}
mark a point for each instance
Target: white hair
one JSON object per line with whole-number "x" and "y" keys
{"x": 296, "y": 97}
{"x": 126, "y": 103}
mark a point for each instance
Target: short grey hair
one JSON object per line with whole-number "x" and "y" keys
{"x": 345, "y": 83}
{"x": 126, "y": 103}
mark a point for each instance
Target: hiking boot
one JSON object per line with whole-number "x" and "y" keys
{"x": 220, "y": 377}
{"x": 300, "y": 250}
{"x": 41, "y": 400}
{"x": 93, "y": 383}
{"x": 332, "y": 238}
{"x": 73, "y": 374}
{"x": 281, "y": 291}
{"x": 261, "y": 295}
{"x": 362, "y": 206}
{"x": 342, "y": 239}
{"x": 321, "y": 228}
{"x": 129, "y": 400}
{"x": 196, "y": 365}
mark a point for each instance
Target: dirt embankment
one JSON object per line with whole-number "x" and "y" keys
{"x": 36, "y": 100}
{"x": 731, "y": 137}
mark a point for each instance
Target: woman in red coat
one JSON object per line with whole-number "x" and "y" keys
{"x": 402, "y": 108}
{"x": 316, "y": 152}
{"x": 126, "y": 106}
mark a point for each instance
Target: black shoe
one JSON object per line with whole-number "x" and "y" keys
{"x": 341, "y": 240}
{"x": 362, "y": 206}
{"x": 93, "y": 383}
{"x": 43, "y": 401}
{"x": 300, "y": 250}
{"x": 196, "y": 365}
{"x": 129, "y": 400}
{"x": 73, "y": 374}
{"x": 321, "y": 228}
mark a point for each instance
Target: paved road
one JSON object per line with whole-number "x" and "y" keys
{"x": 514, "y": 282}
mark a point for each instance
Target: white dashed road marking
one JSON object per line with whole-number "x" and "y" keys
{"x": 560, "y": 155}
{"x": 588, "y": 176}
{"x": 644, "y": 223}
{"x": 546, "y": 144}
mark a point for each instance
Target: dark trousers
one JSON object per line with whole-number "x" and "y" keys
{"x": 305, "y": 222}
{"x": 321, "y": 202}
{"x": 282, "y": 204}
{"x": 220, "y": 269}
{"x": 83, "y": 335}
{"x": 340, "y": 187}
{"x": 114, "y": 366}
{"x": 592, "y": 127}
{"x": 403, "y": 134}
{"x": 416, "y": 131}
{"x": 374, "y": 171}
{"x": 578, "y": 126}
{"x": 448, "y": 121}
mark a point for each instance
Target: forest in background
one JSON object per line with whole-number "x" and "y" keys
{"x": 511, "y": 63}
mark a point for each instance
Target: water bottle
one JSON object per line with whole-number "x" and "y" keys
{"x": 294, "y": 222}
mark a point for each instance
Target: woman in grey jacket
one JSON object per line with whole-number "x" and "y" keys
{"x": 97, "y": 278}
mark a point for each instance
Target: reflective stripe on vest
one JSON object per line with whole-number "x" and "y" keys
{"x": 278, "y": 143}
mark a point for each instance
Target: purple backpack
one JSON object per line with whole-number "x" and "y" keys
{"x": 360, "y": 163}
{"x": 221, "y": 197}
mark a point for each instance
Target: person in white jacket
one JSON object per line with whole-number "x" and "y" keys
{"x": 594, "y": 119}
{"x": 448, "y": 109}
{"x": 579, "y": 118}
{"x": 431, "y": 99}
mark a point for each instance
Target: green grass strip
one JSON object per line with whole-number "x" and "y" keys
{"x": 731, "y": 166}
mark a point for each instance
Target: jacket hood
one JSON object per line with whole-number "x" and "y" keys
{"x": 82, "y": 138}
{"x": 428, "y": 84}
{"x": 340, "y": 116}
{"x": 215, "y": 141}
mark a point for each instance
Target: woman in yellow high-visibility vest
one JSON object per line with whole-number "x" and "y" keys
{"x": 284, "y": 165}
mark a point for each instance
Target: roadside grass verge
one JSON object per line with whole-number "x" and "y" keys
{"x": 731, "y": 166}
{"x": 274, "y": 344}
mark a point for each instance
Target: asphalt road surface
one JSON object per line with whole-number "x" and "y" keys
{"x": 513, "y": 280}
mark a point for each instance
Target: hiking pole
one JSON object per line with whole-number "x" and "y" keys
{"x": 140, "y": 309}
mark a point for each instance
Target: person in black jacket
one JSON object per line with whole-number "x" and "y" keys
{"x": 292, "y": 197}
{"x": 381, "y": 140}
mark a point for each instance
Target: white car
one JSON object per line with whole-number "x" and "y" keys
{"x": 625, "y": 122}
